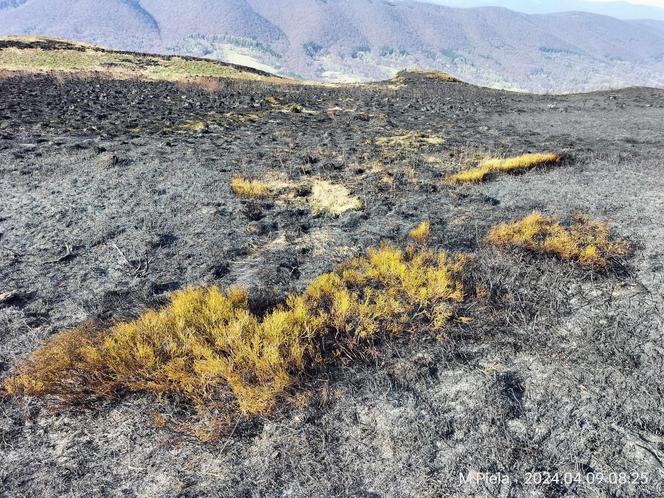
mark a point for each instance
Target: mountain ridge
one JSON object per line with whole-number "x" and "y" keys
{"x": 619, "y": 9}
{"x": 342, "y": 40}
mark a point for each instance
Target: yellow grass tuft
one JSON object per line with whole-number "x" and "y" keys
{"x": 293, "y": 107}
{"x": 331, "y": 198}
{"x": 433, "y": 74}
{"x": 525, "y": 161}
{"x": 508, "y": 165}
{"x": 586, "y": 241}
{"x": 420, "y": 234}
{"x": 442, "y": 76}
{"x": 240, "y": 118}
{"x": 250, "y": 189}
{"x": 207, "y": 346}
{"x": 323, "y": 197}
{"x": 196, "y": 125}
{"x": 474, "y": 175}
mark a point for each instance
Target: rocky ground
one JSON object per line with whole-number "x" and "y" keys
{"x": 115, "y": 193}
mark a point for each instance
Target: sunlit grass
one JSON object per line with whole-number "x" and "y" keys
{"x": 82, "y": 58}
{"x": 420, "y": 234}
{"x": 250, "y": 189}
{"x": 507, "y": 165}
{"x": 331, "y": 198}
{"x": 586, "y": 241}
{"x": 195, "y": 125}
{"x": 208, "y": 347}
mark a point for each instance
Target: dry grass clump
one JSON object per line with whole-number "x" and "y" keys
{"x": 410, "y": 140}
{"x": 474, "y": 175}
{"x": 322, "y": 196}
{"x": 293, "y": 107}
{"x": 203, "y": 340}
{"x": 331, "y": 198}
{"x": 250, "y": 189}
{"x": 208, "y": 347}
{"x": 508, "y": 165}
{"x": 195, "y": 125}
{"x": 587, "y": 241}
{"x": 230, "y": 119}
{"x": 401, "y": 79}
{"x": 212, "y": 119}
{"x": 241, "y": 118}
{"x": 432, "y": 74}
{"x": 420, "y": 234}
{"x": 442, "y": 76}
{"x": 525, "y": 161}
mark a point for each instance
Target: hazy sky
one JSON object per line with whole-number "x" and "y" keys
{"x": 622, "y": 9}
{"x": 655, "y": 3}
{"x": 618, "y": 8}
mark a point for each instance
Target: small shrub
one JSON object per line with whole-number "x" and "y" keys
{"x": 587, "y": 241}
{"x": 508, "y": 165}
{"x": 207, "y": 346}
{"x": 249, "y": 189}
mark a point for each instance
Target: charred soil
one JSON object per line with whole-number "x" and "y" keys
{"x": 116, "y": 193}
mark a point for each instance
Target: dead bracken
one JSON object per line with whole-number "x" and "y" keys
{"x": 586, "y": 241}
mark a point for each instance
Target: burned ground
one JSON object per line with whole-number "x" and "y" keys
{"x": 115, "y": 193}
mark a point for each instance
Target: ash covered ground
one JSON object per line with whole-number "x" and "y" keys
{"x": 115, "y": 193}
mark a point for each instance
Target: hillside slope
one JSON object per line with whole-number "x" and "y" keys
{"x": 115, "y": 193}
{"x": 34, "y": 55}
{"x": 350, "y": 40}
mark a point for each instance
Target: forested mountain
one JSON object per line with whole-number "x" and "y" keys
{"x": 356, "y": 40}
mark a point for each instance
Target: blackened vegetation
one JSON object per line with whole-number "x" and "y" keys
{"x": 115, "y": 193}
